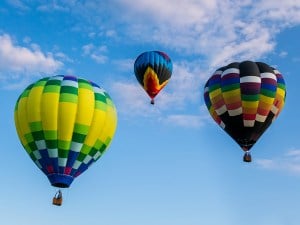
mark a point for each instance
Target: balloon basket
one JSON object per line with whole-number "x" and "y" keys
{"x": 247, "y": 157}
{"x": 57, "y": 199}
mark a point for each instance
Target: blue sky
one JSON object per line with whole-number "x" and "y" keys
{"x": 168, "y": 163}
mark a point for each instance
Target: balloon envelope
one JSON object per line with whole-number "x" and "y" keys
{"x": 65, "y": 124}
{"x": 153, "y": 69}
{"x": 244, "y": 99}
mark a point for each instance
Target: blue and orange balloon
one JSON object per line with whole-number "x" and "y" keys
{"x": 153, "y": 70}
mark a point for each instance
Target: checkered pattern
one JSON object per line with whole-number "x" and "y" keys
{"x": 244, "y": 99}
{"x": 65, "y": 124}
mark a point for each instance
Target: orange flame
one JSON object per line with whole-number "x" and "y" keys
{"x": 151, "y": 83}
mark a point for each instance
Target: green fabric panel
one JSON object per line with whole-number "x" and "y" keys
{"x": 81, "y": 129}
{"x": 53, "y": 82}
{"x": 69, "y": 89}
{"x": 28, "y": 137}
{"x": 103, "y": 148}
{"x": 84, "y": 84}
{"x": 78, "y": 137}
{"x": 64, "y": 145}
{"x": 214, "y": 87}
{"x": 110, "y": 102}
{"x": 85, "y": 149}
{"x": 98, "y": 144}
{"x": 268, "y": 93}
{"x": 63, "y": 153}
{"x": 100, "y": 97}
{"x": 66, "y": 97}
{"x": 51, "y": 89}
{"x": 38, "y": 135}
{"x": 101, "y": 106}
{"x": 93, "y": 151}
{"x": 230, "y": 87}
{"x": 28, "y": 149}
{"x": 40, "y": 83}
{"x": 108, "y": 140}
{"x": 50, "y": 134}
{"x": 36, "y": 126}
{"x": 280, "y": 85}
{"x": 250, "y": 97}
{"x": 81, "y": 157}
{"x": 32, "y": 146}
{"x": 51, "y": 144}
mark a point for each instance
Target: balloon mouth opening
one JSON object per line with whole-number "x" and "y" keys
{"x": 60, "y": 180}
{"x": 60, "y": 185}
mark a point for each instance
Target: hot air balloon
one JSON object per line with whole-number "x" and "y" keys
{"x": 153, "y": 69}
{"x": 244, "y": 99}
{"x": 65, "y": 124}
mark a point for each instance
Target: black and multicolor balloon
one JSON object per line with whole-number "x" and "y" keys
{"x": 65, "y": 124}
{"x": 244, "y": 99}
{"x": 153, "y": 69}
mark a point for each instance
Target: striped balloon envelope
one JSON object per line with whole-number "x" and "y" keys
{"x": 153, "y": 70}
{"x": 244, "y": 99}
{"x": 65, "y": 124}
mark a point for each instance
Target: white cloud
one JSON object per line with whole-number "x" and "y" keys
{"x": 131, "y": 100}
{"x": 222, "y": 31}
{"x": 53, "y": 6}
{"x": 283, "y": 54}
{"x": 95, "y": 53}
{"x": 183, "y": 120}
{"x": 18, "y": 4}
{"x": 289, "y": 162}
{"x": 285, "y": 13}
{"x": 184, "y": 86}
{"x": 24, "y": 60}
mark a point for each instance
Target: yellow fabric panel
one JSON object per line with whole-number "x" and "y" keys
{"x": 66, "y": 118}
{"x": 266, "y": 99}
{"x": 33, "y": 104}
{"x": 233, "y": 99}
{"x": 217, "y": 98}
{"x": 49, "y": 107}
{"x": 280, "y": 92}
{"x": 215, "y": 93}
{"x": 86, "y": 102}
{"x": 22, "y": 116}
{"x": 264, "y": 105}
{"x": 250, "y": 104}
{"x": 18, "y": 128}
{"x": 229, "y": 94}
{"x": 110, "y": 124}
{"x": 96, "y": 127}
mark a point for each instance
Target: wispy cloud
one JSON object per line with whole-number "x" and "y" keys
{"x": 95, "y": 52}
{"x": 289, "y": 162}
{"x": 182, "y": 91}
{"x": 18, "y": 4}
{"x": 183, "y": 120}
{"x": 16, "y": 60}
{"x": 131, "y": 100}
{"x": 220, "y": 31}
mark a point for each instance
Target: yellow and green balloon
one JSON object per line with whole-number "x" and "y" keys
{"x": 65, "y": 124}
